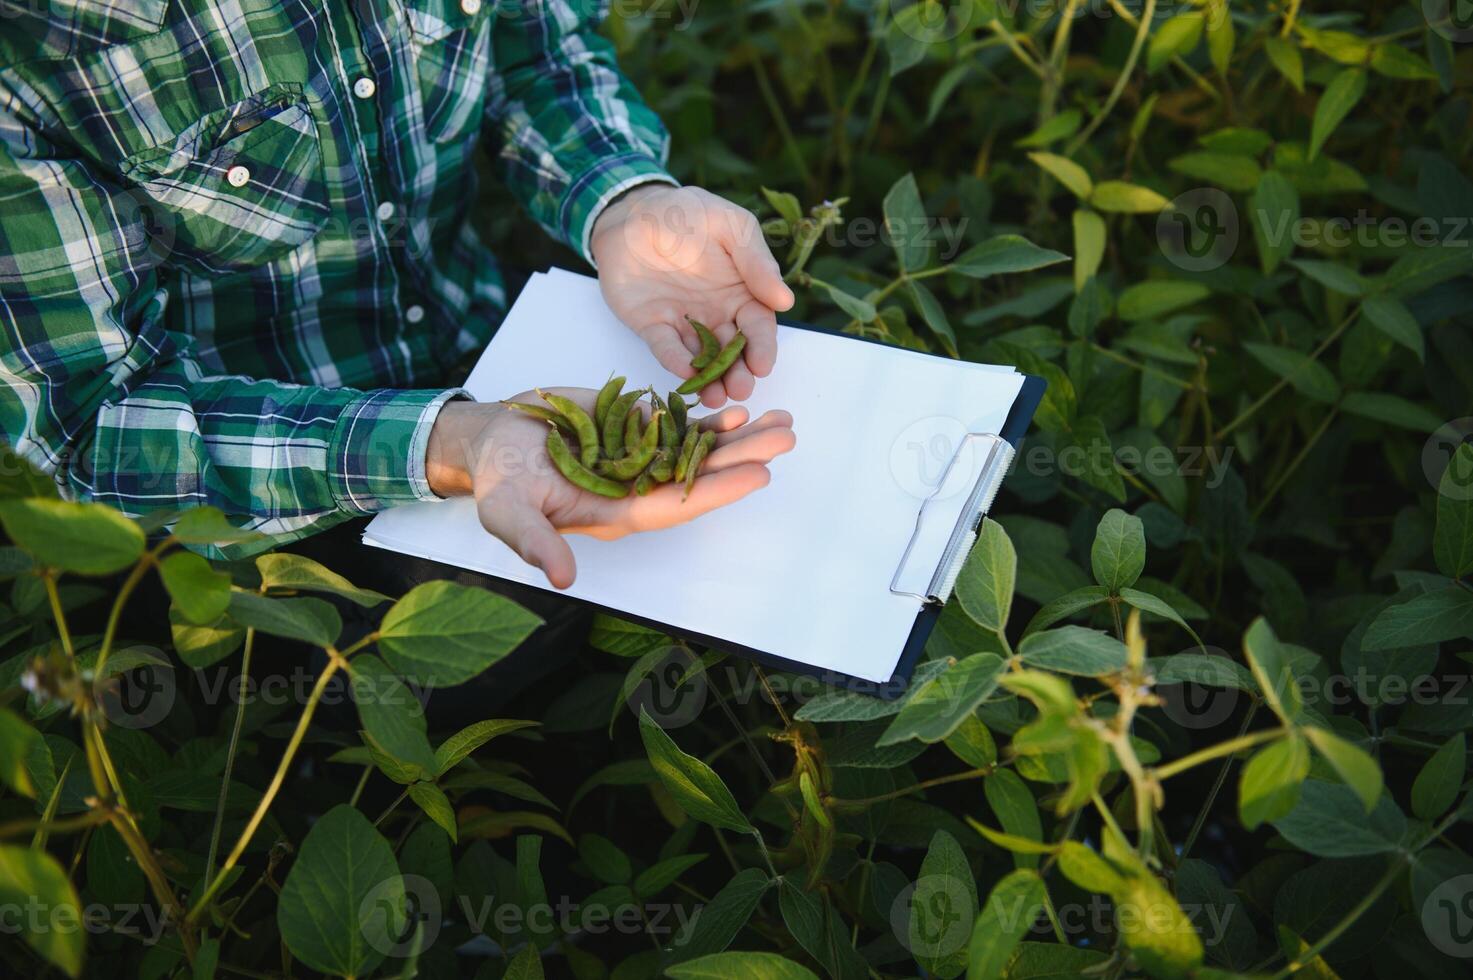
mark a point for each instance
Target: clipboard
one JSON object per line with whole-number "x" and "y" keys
{"x": 805, "y": 604}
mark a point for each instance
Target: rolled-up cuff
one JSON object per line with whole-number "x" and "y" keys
{"x": 376, "y": 457}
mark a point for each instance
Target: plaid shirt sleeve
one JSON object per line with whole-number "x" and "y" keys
{"x": 574, "y": 133}
{"x": 94, "y": 389}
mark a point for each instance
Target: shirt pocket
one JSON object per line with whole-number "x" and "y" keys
{"x": 450, "y": 43}
{"x": 243, "y": 188}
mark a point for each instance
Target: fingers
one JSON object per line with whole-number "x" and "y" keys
{"x": 774, "y": 419}
{"x": 664, "y": 507}
{"x": 528, "y": 532}
{"x": 754, "y": 261}
{"x": 737, "y": 383}
{"x": 669, "y": 348}
{"x": 759, "y": 324}
{"x": 758, "y": 447}
{"x": 725, "y": 420}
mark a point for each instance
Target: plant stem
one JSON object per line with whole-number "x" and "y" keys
{"x": 362, "y": 782}
{"x": 269, "y": 796}
{"x": 997, "y": 27}
{"x": 403, "y": 795}
{"x": 1142, "y": 367}
{"x": 1217, "y": 785}
{"x": 780, "y": 119}
{"x": 1278, "y": 385}
{"x": 955, "y": 777}
{"x": 1230, "y": 747}
{"x": 62, "y": 632}
{"x": 235, "y": 729}
{"x": 124, "y": 591}
{"x": 142, "y": 852}
{"x": 89, "y": 819}
{"x": 1121, "y": 80}
{"x": 1361, "y": 908}
{"x": 1294, "y": 463}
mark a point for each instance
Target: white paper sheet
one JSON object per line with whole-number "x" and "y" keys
{"x": 800, "y": 569}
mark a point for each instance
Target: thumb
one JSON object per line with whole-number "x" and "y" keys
{"x": 528, "y": 532}
{"x": 754, "y": 262}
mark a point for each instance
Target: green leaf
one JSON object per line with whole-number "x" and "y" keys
{"x": 457, "y": 747}
{"x": 1073, "y": 650}
{"x": 933, "y": 313}
{"x": 942, "y": 908}
{"x": 30, "y": 877}
{"x": 1067, "y": 172}
{"x": 1081, "y": 865}
{"x": 1269, "y": 785}
{"x": 207, "y": 525}
{"x": 740, "y": 966}
{"x": 392, "y": 714}
{"x": 280, "y": 570}
{"x": 1058, "y": 127}
{"x": 1332, "y": 275}
{"x": 1009, "y": 912}
{"x": 1308, "y": 376}
{"x": 1230, "y": 170}
{"x": 1391, "y": 409}
{"x": 718, "y": 922}
{"x": 973, "y": 743}
{"x": 1178, "y": 36}
{"x": 201, "y": 646}
{"x": 1353, "y": 764}
{"x": 785, "y": 204}
{"x": 1220, "y": 35}
{"x": 985, "y": 586}
{"x": 1437, "y": 785}
{"x": 1269, "y": 662}
{"x": 1158, "y": 297}
{"x": 343, "y": 892}
{"x": 604, "y": 859}
{"x": 1118, "y": 555}
{"x": 1452, "y": 542}
{"x": 1274, "y": 209}
{"x": 442, "y": 634}
{"x": 623, "y": 638}
{"x": 436, "y": 805}
{"x": 862, "y": 310}
{"x": 906, "y": 224}
{"x": 694, "y": 785}
{"x": 1432, "y": 617}
{"x": 17, "y": 741}
{"x": 200, "y": 593}
{"x": 1287, "y": 59}
{"x": 90, "y": 539}
{"x": 1390, "y": 316}
{"x": 1123, "y": 198}
{"x": 1146, "y": 602}
{"x": 1013, "y": 804}
{"x": 1397, "y": 62}
{"x": 659, "y": 876}
{"x": 1003, "y": 254}
{"x": 526, "y": 965}
{"x": 1097, "y": 464}
{"x": 308, "y": 620}
{"x": 943, "y": 703}
{"x": 1159, "y": 935}
{"x": 1340, "y": 96}
{"x": 1329, "y": 821}
{"x": 1067, "y": 605}
{"x": 1089, "y": 247}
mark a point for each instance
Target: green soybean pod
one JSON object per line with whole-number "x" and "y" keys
{"x": 606, "y": 396}
{"x": 641, "y": 452}
{"x": 663, "y": 468}
{"x": 543, "y": 414}
{"x": 676, "y": 404}
{"x": 669, "y": 434}
{"x": 578, "y": 474}
{"x": 708, "y": 439}
{"x": 644, "y": 483}
{"x": 632, "y": 423}
{"x": 687, "y": 449}
{"x": 581, "y": 423}
{"x": 710, "y": 346}
{"x": 613, "y": 425}
{"x": 717, "y": 367}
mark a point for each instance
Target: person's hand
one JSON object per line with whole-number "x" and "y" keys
{"x": 665, "y": 253}
{"x": 500, "y": 456}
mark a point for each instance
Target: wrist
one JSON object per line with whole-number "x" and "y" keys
{"x": 617, "y": 211}
{"x": 448, "y": 454}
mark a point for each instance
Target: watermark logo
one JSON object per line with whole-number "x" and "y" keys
{"x": 141, "y": 697}
{"x": 931, "y": 916}
{"x": 1441, "y": 464}
{"x": 921, "y": 453}
{"x": 931, "y": 21}
{"x": 673, "y": 693}
{"x": 395, "y": 910}
{"x": 1199, "y": 231}
{"x": 1200, "y": 706}
{"x": 1447, "y": 916}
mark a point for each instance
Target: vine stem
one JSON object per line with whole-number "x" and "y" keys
{"x": 89, "y": 819}
{"x": 1361, "y": 908}
{"x": 235, "y": 730}
{"x": 955, "y": 777}
{"x": 1232, "y": 746}
{"x": 1279, "y": 385}
{"x": 334, "y": 663}
{"x": 1122, "y": 80}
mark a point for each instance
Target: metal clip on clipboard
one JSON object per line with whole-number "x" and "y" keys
{"x": 947, "y": 522}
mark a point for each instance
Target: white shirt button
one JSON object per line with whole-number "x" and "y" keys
{"x": 470, "y": 7}
{"x": 415, "y": 313}
{"x": 238, "y": 176}
{"x": 364, "y": 88}
{"x": 385, "y": 211}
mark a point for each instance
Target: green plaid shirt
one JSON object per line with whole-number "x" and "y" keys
{"x": 234, "y": 245}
